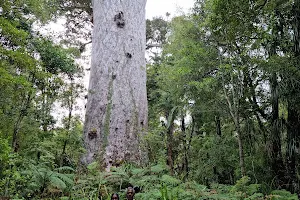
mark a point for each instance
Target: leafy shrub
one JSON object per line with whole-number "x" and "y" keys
{"x": 241, "y": 185}
{"x": 242, "y": 189}
{"x": 4, "y": 156}
{"x": 11, "y": 180}
{"x": 282, "y": 195}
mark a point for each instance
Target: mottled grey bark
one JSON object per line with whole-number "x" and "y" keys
{"x": 116, "y": 112}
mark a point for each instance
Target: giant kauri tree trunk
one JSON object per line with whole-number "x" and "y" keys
{"x": 116, "y": 112}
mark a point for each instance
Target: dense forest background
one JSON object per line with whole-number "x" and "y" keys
{"x": 223, "y": 93}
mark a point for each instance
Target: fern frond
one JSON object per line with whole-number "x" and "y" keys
{"x": 170, "y": 180}
{"x": 64, "y": 168}
{"x": 194, "y": 186}
{"x": 66, "y": 178}
{"x": 159, "y": 169}
{"x": 57, "y": 182}
{"x": 138, "y": 171}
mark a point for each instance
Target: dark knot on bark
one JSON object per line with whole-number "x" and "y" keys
{"x": 119, "y": 19}
{"x": 92, "y": 134}
{"x": 128, "y": 55}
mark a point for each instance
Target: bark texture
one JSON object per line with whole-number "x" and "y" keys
{"x": 116, "y": 112}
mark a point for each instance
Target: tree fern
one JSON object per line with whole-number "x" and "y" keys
{"x": 57, "y": 182}
{"x": 138, "y": 172}
{"x": 170, "y": 180}
{"x": 66, "y": 178}
{"x": 43, "y": 178}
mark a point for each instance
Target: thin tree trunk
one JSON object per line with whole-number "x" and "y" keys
{"x": 116, "y": 113}
{"x": 293, "y": 133}
{"x": 170, "y": 147}
{"x": 22, "y": 114}
{"x": 241, "y": 150}
{"x": 255, "y": 107}
{"x": 70, "y": 104}
{"x": 235, "y": 114}
{"x": 218, "y": 125}
{"x": 191, "y": 134}
{"x": 185, "y": 148}
{"x": 277, "y": 165}
{"x": 293, "y": 122}
{"x": 15, "y": 143}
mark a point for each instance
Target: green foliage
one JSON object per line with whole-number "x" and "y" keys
{"x": 55, "y": 58}
{"x": 243, "y": 189}
{"x": 4, "y": 153}
{"x": 217, "y": 156}
{"x": 156, "y": 30}
{"x": 156, "y": 184}
{"x": 12, "y": 182}
{"x": 28, "y": 93}
{"x": 40, "y": 9}
{"x": 5, "y": 163}
{"x": 211, "y": 92}
{"x": 43, "y": 178}
{"x": 258, "y": 196}
{"x": 282, "y": 194}
{"x": 92, "y": 185}
{"x": 241, "y": 185}
{"x": 10, "y": 29}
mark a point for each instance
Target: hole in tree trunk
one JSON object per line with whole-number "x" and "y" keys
{"x": 128, "y": 55}
{"x": 119, "y": 19}
{"x": 92, "y": 134}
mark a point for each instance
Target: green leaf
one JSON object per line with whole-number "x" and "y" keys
{"x": 170, "y": 180}
{"x": 57, "y": 182}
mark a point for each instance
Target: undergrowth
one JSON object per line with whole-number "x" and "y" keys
{"x": 154, "y": 183}
{"x": 41, "y": 181}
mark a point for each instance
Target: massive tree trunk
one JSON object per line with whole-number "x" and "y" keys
{"x": 116, "y": 112}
